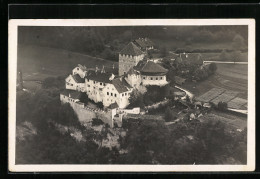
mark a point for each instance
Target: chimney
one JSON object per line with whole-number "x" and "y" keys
{"x": 112, "y": 77}
{"x": 103, "y": 69}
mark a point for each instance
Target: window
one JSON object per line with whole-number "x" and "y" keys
{"x": 123, "y": 94}
{"x": 111, "y": 94}
{"x": 78, "y": 69}
{"x": 144, "y": 78}
{"x": 71, "y": 84}
{"x": 107, "y": 93}
{"x": 151, "y": 78}
{"x": 88, "y": 85}
{"x": 100, "y": 83}
{"x": 115, "y": 95}
{"x": 94, "y": 87}
{"x": 126, "y": 94}
{"x": 161, "y": 78}
{"x": 156, "y": 78}
{"x": 88, "y": 80}
{"x": 94, "y": 82}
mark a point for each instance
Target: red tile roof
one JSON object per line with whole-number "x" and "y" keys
{"x": 131, "y": 49}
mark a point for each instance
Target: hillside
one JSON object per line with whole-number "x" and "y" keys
{"x": 43, "y": 61}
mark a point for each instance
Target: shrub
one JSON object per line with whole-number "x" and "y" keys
{"x": 169, "y": 115}
{"x": 222, "y": 106}
{"x": 100, "y": 105}
{"x": 97, "y": 122}
{"x": 212, "y": 67}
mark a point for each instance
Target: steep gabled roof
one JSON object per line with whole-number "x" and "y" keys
{"x": 121, "y": 85}
{"x": 150, "y": 67}
{"x": 113, "y": 105}
{"x": 78, "y": 79}
{"x": 132, "y": 71}
{"x": 131, "y": 49}
{"x": 98, "y": 76}
{"x": 83, "y": 68}
{"x": 72, "y": 93}
{"x": 144, "y": 42}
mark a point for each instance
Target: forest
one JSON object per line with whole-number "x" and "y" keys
{"x": 146, "y": 141}
{"x": 106, "y": 42}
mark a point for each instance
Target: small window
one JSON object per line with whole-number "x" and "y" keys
{"x": 94, "y": 87}
{"x": 156, "y": 78}
{"x": 107, "y": 93}
{"x": 78, "y": 69}
{"x": 161, "y": 78}
{"x": 123, "y": 94}
{"x": 94, "y": 82}
{"x": 107, "y": 99}
{"x": 126, "y": 94}
{"x": 100, "y": 83}
{"x": 151, "y": 78}
{"x": 88, "y": 85}
{"x": 111, "y": 94}
{"x": 71, "y": 84}
{"x": 88, "y": 80}
{"x": 144, "y": 78}
{"x": 115, "y": 95}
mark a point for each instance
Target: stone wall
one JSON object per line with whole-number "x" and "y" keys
{"x": 86, "y": 114}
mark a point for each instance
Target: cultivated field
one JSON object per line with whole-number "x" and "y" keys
{"x": 232, "y": 77}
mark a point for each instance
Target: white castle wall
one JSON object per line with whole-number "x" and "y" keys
{"x": 86, "y": 114}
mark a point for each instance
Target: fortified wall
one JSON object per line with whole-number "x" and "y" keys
{"x": 86, "y": 114}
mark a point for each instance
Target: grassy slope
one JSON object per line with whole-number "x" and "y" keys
{"x": 32, "y": 60}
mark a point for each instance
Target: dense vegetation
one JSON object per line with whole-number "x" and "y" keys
{"x": 186, "y": 142}
{"x": 152, "y": 95}
{"x": 106, "y": 42}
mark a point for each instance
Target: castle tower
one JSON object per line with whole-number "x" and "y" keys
{"x": 129, "y": 57}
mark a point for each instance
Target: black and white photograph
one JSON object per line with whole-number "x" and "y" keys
{"x": 131, "y": 95}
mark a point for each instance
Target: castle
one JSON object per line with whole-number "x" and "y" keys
{"x": 112, "y": 87}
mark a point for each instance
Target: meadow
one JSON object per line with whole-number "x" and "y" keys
{"x": 38, "y": 63}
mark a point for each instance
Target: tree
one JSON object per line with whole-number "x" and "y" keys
{"x": 222, "y": 106}
{"x": 223, "y": 56}
{"x": 136, "y": 99}
{"x": 238, "y": 42}
{"x": 212, "y": 67}
{"x": 164, "y": 51}
{"x": 169, "y": 116}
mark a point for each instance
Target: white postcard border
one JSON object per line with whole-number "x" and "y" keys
{"x": 12, "y": 70}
